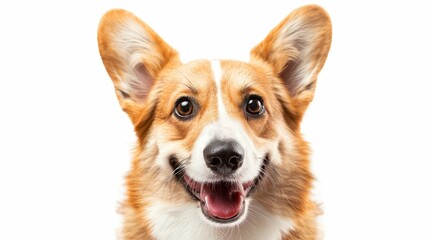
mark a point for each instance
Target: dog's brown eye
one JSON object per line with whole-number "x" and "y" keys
{"x": 254, "y": 106}
{"x": 184, "y": 108}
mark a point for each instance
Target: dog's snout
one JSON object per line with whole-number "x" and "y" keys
{"x": 224, "y": 156}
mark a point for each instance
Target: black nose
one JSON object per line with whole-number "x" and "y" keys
{"x": 224, "y": 156}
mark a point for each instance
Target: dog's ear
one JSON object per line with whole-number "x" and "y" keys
{"x": 133, "y": 55}
{"x": 296, "y": 50}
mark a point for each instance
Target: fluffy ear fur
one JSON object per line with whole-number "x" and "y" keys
{"x": 296, "y": 50}
{"x": 133, "y": 55}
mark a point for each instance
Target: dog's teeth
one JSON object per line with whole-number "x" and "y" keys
{"x": 240, "y": 187}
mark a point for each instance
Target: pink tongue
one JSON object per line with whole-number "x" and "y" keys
{"x": 223, "y": 200}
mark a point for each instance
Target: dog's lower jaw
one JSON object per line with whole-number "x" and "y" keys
{"x": 184, "y": 222}
{"x": 164, "y": 221}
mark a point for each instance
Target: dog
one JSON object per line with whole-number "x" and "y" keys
{"x": 219, "y": 150}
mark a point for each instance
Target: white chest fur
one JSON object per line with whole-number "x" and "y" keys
{"x": 184, "y": 222}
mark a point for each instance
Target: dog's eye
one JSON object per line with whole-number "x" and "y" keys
{"x": 254, "y": 106}
{"x": 184, "y": 108}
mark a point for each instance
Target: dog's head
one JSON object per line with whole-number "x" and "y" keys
{"x": 217, "y": 134}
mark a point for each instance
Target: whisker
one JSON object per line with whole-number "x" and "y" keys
{"x": 255, "y": 211}
{"x": 178, "y": 173}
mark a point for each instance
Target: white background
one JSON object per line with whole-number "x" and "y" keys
{"x": 65, "y": 144}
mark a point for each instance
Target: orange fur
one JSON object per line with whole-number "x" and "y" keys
{"x": 286, "y": 189}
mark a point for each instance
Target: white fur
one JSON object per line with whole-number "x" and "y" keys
{"x": 182, "y": 222}
{"x": 217, "y": 74}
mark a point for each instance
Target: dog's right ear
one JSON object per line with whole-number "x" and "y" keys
{"x": 133, "y": 55}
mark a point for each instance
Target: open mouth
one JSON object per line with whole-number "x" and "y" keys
{"x": 222, "y": 201}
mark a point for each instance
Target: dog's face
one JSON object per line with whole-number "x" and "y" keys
{"x": 217, "y": 135}
{"x": 216, "y": 131}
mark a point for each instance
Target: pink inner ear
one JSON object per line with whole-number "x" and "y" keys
{"x": 145, "y": 81}
{"x": 291, "y": 78}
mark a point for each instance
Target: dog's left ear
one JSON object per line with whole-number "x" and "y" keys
{"x": 296, "y": 50}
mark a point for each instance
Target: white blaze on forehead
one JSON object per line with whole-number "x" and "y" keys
{"x": 217, "y": 73}
{"x": 226, "y": 127}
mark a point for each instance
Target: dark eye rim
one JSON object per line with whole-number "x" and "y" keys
{"x": 185, "y": 117}
{"x": 254, "y": 115}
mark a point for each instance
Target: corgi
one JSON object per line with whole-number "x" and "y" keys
{"x": 219, "y": 150}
